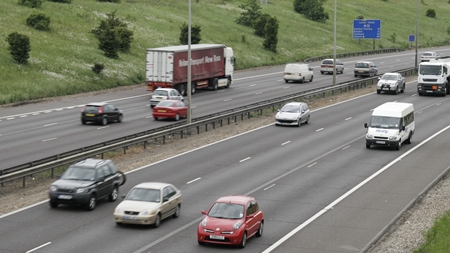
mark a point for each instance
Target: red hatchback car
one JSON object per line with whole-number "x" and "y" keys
{"x": 231, "y": 220}
{"x": 172, "y": 109}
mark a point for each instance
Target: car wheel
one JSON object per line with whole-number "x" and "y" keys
{"x": 403, "y": 89}
{"x": 104, "y": 121}
{"x": 396, "y": 91}
{"x": 260, "y": 230}
{"x": 302, "y": 80}
{"x": 321, "y": 72}
{"x": 200, "y": 243}
{"x": 243, "y": 241}
{"x": 118, "y": 223}
{"x": 114, "y": 194}
{"x": 286, "y": 81}
{"x": 310, "y": 80}
{"x": 299, "y": 122}
{"x": 92, "y": 203}
{"x": 157, "y": 220}
{"x": 53, "y": 204}
{"x": 367, "y": 145}
{"x": 408, "y": 141}
{"x": 156, "y": 118}
{"x": 356, "y": 75}
{"x": 176, "y": 214}
{"x": 378, "y": 91}
{"x": 399, "y": 145}
{"x": 177, "y": 117}
{"x": 83, "y": 122}
{"x": 307, "y": 120}
{"x": 120, "y": 118}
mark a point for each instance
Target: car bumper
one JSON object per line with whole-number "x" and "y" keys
{"x": 386, "y": 143}
{"x": 363, "y": 73}
{"x": 286, "y": 122}
{"x": 69, "y": 199}
{"x": 387, "y": 88}
{"x": 92, "y": 118}
{"x": 163, "y": 115}
{"x": 135, "y": 219}
{"x": 228, "y": 239}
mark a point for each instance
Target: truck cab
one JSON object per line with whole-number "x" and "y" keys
{"x": 434, "y": 77}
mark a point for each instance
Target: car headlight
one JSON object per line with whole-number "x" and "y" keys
{"x": 204, "y": 221}
{"x": 237, "y": 225}
{"x": 369, "y": 136}
{"x": 392, "y": 138}
{"x": 82, "y": 190}
{"x": 118, "y": 210}
{"x": 53, "y": 188}
{"x": 148, "y": 212}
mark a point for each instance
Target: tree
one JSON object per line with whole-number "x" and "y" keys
{"x": 251, "y": 13}
{"x": 312, "y": 9}
{"x": 31, "y": 3}
{"x": 195, "y": 34}
{"x": 39, "y": 21}
{"x": 271, "y": 34}
{"x": 260, "y": 24}
{"x": 19, "y": 47}
{"x": 299, "y": 6}
{"x": 431, "y": 13}
{"x": 113, "y": 36}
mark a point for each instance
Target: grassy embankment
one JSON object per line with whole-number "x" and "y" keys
{"x": 61, "y": 59}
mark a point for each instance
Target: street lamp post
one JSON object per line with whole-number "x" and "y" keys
{"x": 417, "y": 32}
{"x": 334, "y": 46}
{"x": 189, "y": 84}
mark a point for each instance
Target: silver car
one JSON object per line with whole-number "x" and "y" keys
{"x": 164, "y": 94}
{"x": 293, "y": 114}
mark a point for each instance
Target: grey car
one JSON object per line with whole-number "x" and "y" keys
{"x": 365, "y": 68}
{"x": 293, "y": 114}
{"x": 86, "y": 182}
{"x": 164, "y": 94}
{"x": 391, "y": 82}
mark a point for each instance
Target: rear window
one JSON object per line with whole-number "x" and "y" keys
{"x": 92, "y": 108}
{"x": 427, "y": 54}
{"x": 160, "y": 93}
{"x": 362, "y": 65}
{"x": 166, "y": 103}
{"x": 327, "y": 62}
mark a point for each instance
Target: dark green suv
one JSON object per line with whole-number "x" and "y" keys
{"x": 86, "y": 182}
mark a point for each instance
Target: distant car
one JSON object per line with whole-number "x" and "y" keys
{"x": 102, "y": 113}
{"x": 164, "y": 94}
{"x": 326, "y": 66}
{"x": 148, "y": 204}
{"x": 365, "y": 68}
{"x": 298, "y": 73}
{"x": 231, "y": 220}
{"x": 391, "y": 82}
{"x": 293, "y": 114}
{"x": 427, "y": 56}
{"x": 86, "y": 182}
{"x": 171, "y": 109}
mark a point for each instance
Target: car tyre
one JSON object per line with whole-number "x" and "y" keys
{"x": 83, "y": 122}
{"x": 310, "y": 80}
{"x": 157, "y": 221}
{"x": 92, "y": 203}
{"x": 156, "y": 118}
{"x": 378, "y": 91}
{"x": 114, "y": 194}
{"x": 177, "y": 117}
{"x": 104, "y": 121}
{"x": 260, "y": 230}
{"x": 119, "y": 223}
{"x": 286, "y": 81}
{"x": 367, "y": 146}
{"x": 53, "y": 204}
{"x": 200, "y": 243}
{"x": 307, "y": 120}
{"x": 321, "y": 72}
{"x": 302, "y": 80}
{"x": 403, "y": 89}
{"x": 408, "y": 141}
{"x": 399, "y": 145}
{"x": 243, "y": 241}
{"x": 120, "y": 118}
{"x": 177, "y": 212}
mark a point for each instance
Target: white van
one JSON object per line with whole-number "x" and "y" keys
{"x": 298, "y": 73}
{"x": 391, "y": 125}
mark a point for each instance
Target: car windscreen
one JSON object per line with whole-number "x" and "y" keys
{"x": 389, "y": 77}
{"x": 79, "y": 173}
{"x": 144, "y": 194}
{"x": 290, "y": 108}
{"x": 160, "y": 93}
{"x": 227, "y": 211}
{"x": 385, "y": 122}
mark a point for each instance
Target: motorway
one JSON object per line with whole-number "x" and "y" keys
{"x": 319, "y": 178}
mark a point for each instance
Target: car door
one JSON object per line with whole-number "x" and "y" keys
{"x": 106, "y": 181}
{"x": 109, "y": 111}
{"x": 168, "y": 203}
{"x": 174, "y": 94}
{"x": 250, "y": 222}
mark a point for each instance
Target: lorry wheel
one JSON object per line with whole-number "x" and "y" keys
{"x": 228, "y": 83}
{"x": 215, "y": 83}
{"x": 182, "y": 89}
{"x": 192, "y": 88}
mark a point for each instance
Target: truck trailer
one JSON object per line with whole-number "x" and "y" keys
{"x": 434, "y": 77}
{"x": 212, "y": 66}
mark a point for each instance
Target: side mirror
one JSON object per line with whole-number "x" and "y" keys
{"x": 403, "y": 128}
{"x": 165, "y": 199}
{"x": 250, "y": 216}
{"x": 123, "y": 196}
{"x": 365, "y": 125}
{"x": 116, "y": 109}
{"x": 204, "y": 212}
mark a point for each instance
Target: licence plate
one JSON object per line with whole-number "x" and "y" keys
{"x": 129, "y": 218}
{"x": 161, "y": 110}
{"x": 385, "y": 88}
{"x": 90, "y": 114}
{"x": 380, "y": 142}
{"x": 429, "y": 91}
{"x": 64, "y": 197}
{"x": 217, "y": 237}
{"x": 361, "y": 71}
{"x": 159, "y": 98}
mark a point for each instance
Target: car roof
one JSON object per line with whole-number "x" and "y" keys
{"x": 295, "y": 103}
{"x": 152, "y": 185}
{"x": 90, "y": 162}
{"x": 97, "y": 104}
{"x": 235, "y": 199}
{"x": 429, "y": 52}
{"x": 167, "y": 89}
{"x": 391, "y": 73}
{"x": 364, "y": 62}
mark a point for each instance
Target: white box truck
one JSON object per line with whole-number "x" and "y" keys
{"x": 212, "y": 66}
{"x": 391, "y": 125}
{"x": 434, "y": 77}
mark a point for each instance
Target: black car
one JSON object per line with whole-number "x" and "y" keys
{"x": 86, "y": 182}
{"x": 101, "y": 113}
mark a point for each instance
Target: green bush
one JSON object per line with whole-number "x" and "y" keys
{"x": 61, "y": 1}
{"x": 260, "y": 24}
{"x": 271, "y": 34}
{"x": 448, "y": 30}
{"x": 31, "y": 3}
{"x": 19, "y": 47}
{"x": 195, "y": 34}
{"x": 431, "y": 13}
{"x": 97, "y": 68}
{"x": 39, "y": 21}
{"x": 251, "y": 13}
{"x": 300, "y": 6}
{"x": 110, "y": 1}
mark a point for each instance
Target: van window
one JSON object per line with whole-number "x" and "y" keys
{"x": 385, "y": 122}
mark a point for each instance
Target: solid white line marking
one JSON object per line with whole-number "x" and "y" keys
{"x": 59, "y": 109}
{"x": 252, "y": 85}
{"x": 320, "y": 129}
{"x": 438, "y": 104}
{"x": 282, "y": 144}
{"x": 102, "y": 127}
{"x": 243, "y": 160}
{"x": 413, "y": 95}
{"x": 51, "y": 124}
{"x": 43, "y": 245}
{"x": 51, "y": 139}
{"x": 257, "y": 93}
{"x": 309, "y": 166}
{"x": 35, "y": 113}
{"x": 286, "y": 87}
{"x": 346, "y": 147}
{"x": 194, "y": 180}
{"x": 149, "y": 117}
{"x": 23, "y": 116}
{"x": 334, "y": 203}
{"x": 269, "y": 187}
{"x": 228, "y": 99}
{"x": 9, "y": 118}
{"x": 349, "y": 118}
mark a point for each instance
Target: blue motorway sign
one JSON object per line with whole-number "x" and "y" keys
{"x": 366, "y": 29}
{"x": 412, "y": 38}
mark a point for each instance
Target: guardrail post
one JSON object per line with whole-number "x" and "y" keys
{"x": 53, "y": 172}
{"x": 181, "y": 134}
{"x": 145, "y": 144}
{"x": 23, "y": 182}
{"x": 198, "y": 129}
{"x": 125, "y": 150}
{"x": 164, "y": 139}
